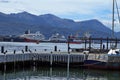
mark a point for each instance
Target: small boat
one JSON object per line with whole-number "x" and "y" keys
{"x": 57, "y": 38}
{"x": 32, "y": 37}
{"x": 111, "y": 60}
{"x": 108, "y": 61}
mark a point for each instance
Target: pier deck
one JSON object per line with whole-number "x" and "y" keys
{"x": 47, "y": 58}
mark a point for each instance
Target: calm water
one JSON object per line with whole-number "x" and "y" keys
{"x": 59, "y": 74}
{"x": 53, "y": 73}
{"x": 10, "y": 46}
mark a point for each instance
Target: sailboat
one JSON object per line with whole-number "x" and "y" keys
{"x": 111, "y": 60}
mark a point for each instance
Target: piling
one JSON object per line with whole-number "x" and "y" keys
{"x": 90, "y": 44}
{"x": 23, "y": 59}
{"x": 51, "y": 57}
{"x": 68, "y": 66}
{"x": 14, "y": 60}
{"x": 107, "y": 43}
{"x": 35, "y": 50}
{"x": 4, "y": 62}
{"x": 55, "y": 48}
{"x": 85, "y": 43}
{"x": 2, "y": 49}
{"x": 116, "y": 41}
{"x": 68, "y": 62}
{"x": 26, "y": 48}
{"x": 101, "y": 43}
{"x": 14, "y": 51}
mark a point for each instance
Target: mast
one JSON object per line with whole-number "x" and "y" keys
{"x": 117, "y": 11}
{"x": 113, "y": 16}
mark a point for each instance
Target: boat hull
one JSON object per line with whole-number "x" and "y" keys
{"x": 94, "y": 64}
{"x": 75, "y": 42}
{"x": 30, "y": 40}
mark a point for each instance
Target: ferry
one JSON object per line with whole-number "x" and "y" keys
{"x": 32, "y": 37}
{"x": 57, "y": 38}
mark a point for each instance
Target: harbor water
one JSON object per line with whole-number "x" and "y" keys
{"x": 63, "y": 47}
{"x": 59, "y": 74}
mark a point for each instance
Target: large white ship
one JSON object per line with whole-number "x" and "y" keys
{"x": 57, "y": 38}
{"x": 33, "y": 37}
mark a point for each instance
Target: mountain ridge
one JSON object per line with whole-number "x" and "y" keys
{"x": 17, "y": 23}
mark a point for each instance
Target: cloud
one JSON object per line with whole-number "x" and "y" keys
{"x": 4, "y": 1}
{"x": 87, "y": 7}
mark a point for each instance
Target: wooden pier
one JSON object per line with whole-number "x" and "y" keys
{"x": 20, "y": 59}
{"x": 104, "y": 44}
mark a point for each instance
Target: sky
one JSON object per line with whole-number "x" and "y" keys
{"x": 78, "y": 10}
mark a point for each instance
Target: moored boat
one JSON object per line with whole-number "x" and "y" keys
{"x": 108, "y": 61}
{"x": 111, "y": 60}
{"x": 57, "y": 38}
{"x": 32, "y": 37}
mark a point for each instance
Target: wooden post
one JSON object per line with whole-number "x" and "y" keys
{"x": 55, "y": 48}
{"x": 23, "y": 60}
{"x": 68, "y": 45}
{"x": 107, "y": 43}
{"x": 4, "y": 61}
{"x": 26, "y": 48}
{"x": 14, "y": 60}
{"x": 85, "y": 43}
{"x": 116, "y": 42}
{"x": 2, "y": 49}
{"x": 68, "y": 58}
{"x": 68, "y": 66}
{"x": 51, "y": 57}
{"x": 101, "y": 42}
{"x": 14, "y": 51}
{"x": 90, "y": 44}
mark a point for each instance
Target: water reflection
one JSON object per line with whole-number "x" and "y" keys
{"x": 43, "y": 73}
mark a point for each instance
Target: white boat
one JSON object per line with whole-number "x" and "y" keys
{"x": 33, "y": 37}
{"x": 57, "y": 38}
{"x": 111, "y": 60}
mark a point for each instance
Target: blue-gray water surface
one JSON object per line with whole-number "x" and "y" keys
{"x": 18, "y": 46}
{"x": 43, "y": 73}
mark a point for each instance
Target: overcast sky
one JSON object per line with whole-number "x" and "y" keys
{"x": 77, "y": 10}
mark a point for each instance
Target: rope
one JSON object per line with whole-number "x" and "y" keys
{"x": 117, "y": 11}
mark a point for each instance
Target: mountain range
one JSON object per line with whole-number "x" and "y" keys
{"x": 48, "y": 24}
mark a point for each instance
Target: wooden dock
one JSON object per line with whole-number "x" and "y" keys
{"x": 25, "y": 59}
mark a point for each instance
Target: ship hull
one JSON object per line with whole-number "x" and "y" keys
{"x": 75, "y": 42}
{"x": 30, "y": 40}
